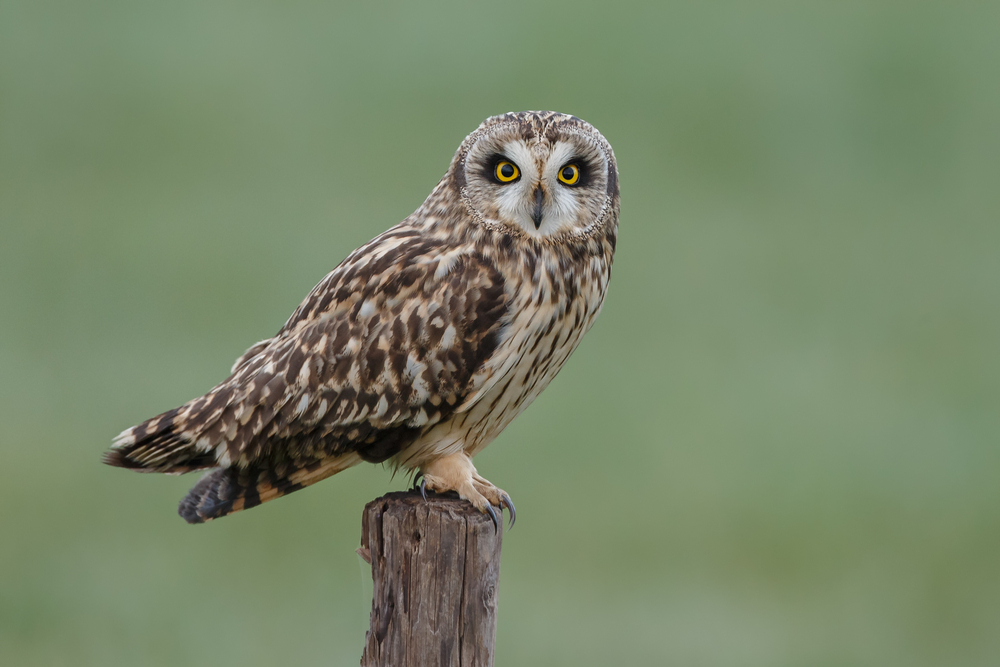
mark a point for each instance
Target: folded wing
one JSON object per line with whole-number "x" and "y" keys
{"x": 382, "y": 349}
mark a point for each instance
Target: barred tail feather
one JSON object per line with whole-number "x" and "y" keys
{"x": 158, "y": 445}
{"x": 229, "y": 490}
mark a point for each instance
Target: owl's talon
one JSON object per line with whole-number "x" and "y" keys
{"x": 505, "y": 501}
{"x": 493, "y": 515}
{"x": 455, "y": 473}
{"x": 418, "y": 475}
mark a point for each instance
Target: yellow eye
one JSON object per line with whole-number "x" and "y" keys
{"x": 507, "y": 171}
{"x": 570, "y": 174}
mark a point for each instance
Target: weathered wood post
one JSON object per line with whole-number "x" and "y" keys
{"x": 436, "y": 566}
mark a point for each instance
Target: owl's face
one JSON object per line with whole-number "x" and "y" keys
{"x": 540, "y": 173}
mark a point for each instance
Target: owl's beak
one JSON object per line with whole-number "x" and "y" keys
{"x": 536, "y": 214}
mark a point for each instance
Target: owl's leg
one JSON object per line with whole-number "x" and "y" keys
{"x": 455, "y": 472}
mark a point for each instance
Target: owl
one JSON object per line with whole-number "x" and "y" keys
{"x": 424, "y": 343}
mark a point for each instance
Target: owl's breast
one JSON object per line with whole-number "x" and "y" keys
{"x": 553, "y": 298}
{"x": 551, "y": 310}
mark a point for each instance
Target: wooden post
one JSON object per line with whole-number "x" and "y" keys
{"x": 435, "y": 565}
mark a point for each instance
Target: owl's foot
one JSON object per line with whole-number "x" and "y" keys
{"x": 455, "y": 472}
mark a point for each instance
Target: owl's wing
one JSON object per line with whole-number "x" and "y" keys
{"x": 251, "y": 352}
{"x": 382, "y": 349}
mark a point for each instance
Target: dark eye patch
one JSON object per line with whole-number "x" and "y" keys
{"x": 490, "y": 170}
{"x": 585, "y": 167}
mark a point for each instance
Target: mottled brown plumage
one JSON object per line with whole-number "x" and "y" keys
{"x": 423, "y": 344}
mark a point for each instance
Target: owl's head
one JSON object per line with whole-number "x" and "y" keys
{"x": 539, "y": 173}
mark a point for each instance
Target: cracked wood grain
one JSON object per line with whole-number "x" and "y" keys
{"x": 435, "y": 566}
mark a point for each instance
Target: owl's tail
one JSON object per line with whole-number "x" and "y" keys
{"x": 160, "y": 444}
{"x": 228, "y": 490}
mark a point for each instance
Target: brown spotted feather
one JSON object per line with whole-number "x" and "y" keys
{"x": 427, "y": 340}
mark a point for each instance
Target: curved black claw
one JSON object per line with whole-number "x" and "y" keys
{"x": 505, "y": 501}
{"x": 493, "y": 515}
{"x": 417, "y": 476}
{"x": 423, "y": 488}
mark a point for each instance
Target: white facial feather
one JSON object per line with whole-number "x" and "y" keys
{"x": 563, "y": 207}
{"x": 515, "y": 199}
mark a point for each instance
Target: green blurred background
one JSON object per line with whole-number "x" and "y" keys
{"x": 780, "y": 444}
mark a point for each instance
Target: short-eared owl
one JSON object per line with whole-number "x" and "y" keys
{"x": 422, "y": 345}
